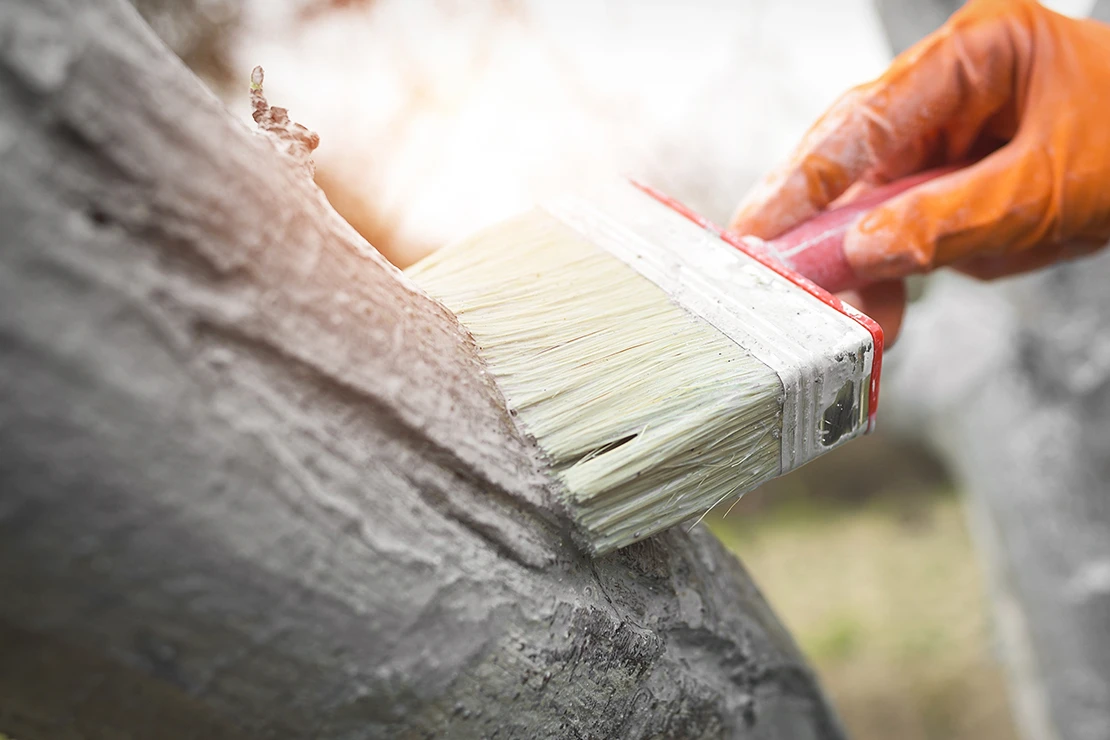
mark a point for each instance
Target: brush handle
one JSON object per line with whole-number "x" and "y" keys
{"x": 815, "y": 249}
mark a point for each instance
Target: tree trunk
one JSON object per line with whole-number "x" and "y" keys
{"x": 255, "y": 484}
{"x": 1012, "y": 381}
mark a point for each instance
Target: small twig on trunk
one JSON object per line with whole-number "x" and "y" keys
{"x": 290, "y": 137}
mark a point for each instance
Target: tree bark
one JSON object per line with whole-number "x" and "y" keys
{"x": 255, "y": 484}
{"x": 1012, "y": 382}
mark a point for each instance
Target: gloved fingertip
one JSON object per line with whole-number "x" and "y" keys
{"x": 774, "y": 205}
{"x": 885, "y": 302}
{"x": 882, "y": 245}
{"x": 752, "y": 216}
{"x": 746, "y": 219}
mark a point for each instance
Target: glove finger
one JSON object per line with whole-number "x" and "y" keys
{"x": 930, "y": 107}
{"x": 999, "y": 206}
{"x": 885, "y": 302}
{"x": 829, "y": 158}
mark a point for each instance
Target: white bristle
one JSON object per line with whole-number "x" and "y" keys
{"x": 649, "y": 414}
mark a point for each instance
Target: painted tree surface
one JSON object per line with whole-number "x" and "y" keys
{"x": 255, "y": 484}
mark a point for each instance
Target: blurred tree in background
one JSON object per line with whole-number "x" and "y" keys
{"x": 202, "y": 33}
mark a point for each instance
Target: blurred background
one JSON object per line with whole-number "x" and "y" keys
{"x": 439, "y": 116}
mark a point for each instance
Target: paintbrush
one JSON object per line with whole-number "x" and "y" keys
{"x": 662, "y": 364}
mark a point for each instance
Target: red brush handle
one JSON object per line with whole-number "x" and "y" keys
{"x": 816, "y": 248}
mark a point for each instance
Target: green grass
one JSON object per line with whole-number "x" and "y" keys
{"x": 886, "y": 599}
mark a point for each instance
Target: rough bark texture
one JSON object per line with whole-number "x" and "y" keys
{"x": 254, "y": 484}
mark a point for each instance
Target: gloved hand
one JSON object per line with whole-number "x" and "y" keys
{"x": 1019, "y": 90}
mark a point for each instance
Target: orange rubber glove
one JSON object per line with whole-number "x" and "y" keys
{"x": 1008, "y": 79}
